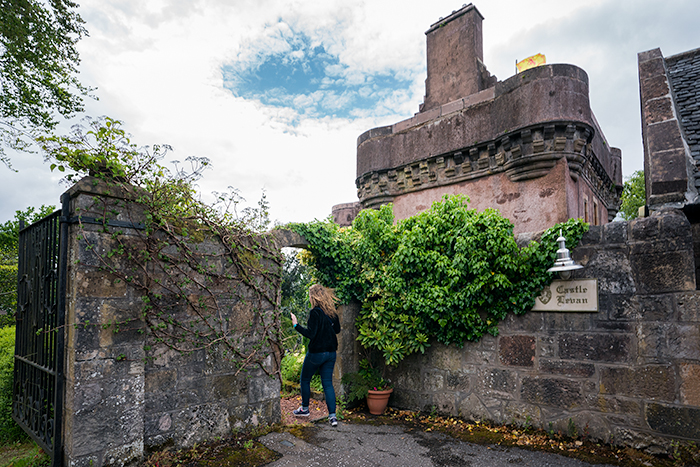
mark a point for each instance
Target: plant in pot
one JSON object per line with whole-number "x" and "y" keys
{"x": 368, "y": 384}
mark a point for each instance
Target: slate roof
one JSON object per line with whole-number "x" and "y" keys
{"x": 684, "y": 75}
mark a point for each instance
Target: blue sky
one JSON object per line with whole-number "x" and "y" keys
{"x": 301, "y": 75}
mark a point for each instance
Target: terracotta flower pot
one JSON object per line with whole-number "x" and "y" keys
{"x": 377, "y": 400}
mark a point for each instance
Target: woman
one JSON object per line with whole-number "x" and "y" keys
{"x": 321, "y": 328}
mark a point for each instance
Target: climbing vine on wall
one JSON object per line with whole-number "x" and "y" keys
{"x": 449, "y": 273}
{"x": 204, "y": 278}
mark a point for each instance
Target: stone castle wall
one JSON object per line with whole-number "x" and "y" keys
{"x": 630, "y": 373}
{"x": 125, "y": 393}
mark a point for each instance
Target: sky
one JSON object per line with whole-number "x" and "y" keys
{"x": 275, "y": 93}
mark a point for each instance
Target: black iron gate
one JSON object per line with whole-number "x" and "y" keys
{"x": 37, "y": 403}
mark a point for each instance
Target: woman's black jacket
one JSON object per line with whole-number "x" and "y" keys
{"x": 321, "y": 330}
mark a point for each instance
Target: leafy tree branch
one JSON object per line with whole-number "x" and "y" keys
{"x": 38, "y": 68}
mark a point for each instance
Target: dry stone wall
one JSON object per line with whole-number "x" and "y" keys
{"x": 125, "y": 392}
{"x": 628, "y": 373}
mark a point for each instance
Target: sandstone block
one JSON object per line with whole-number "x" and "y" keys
{"x": 651, "y": 68}
{"x": 690, "y": 384}
{"x": 642, "y": 440}
{"x": 445, "y": 402}
{"x": 433, "y": 380}
{"x": 654, "y": 87}
{"x": 663, "y": 137}
{"x": 618, "y": 306}
{"x": 497, "y": 383}
{"x": 658, "y": 307}
{"x": 160, "y": 402}
{"x": 96, "y": 283}
{"x": 210, "y": 419}
{"x": 675, "y": 243}
{"x": 261, "y": 389}
{"x": 675, "y": 421}
{"x": 594, "y": 236}
{"x": 522, "y": 414}
{"x": 411, "y": 400}
{"x": 99, "y": 422}
{"x": 405, "y": 376}
{"x": 617, "y": 405}
{"x": 668, "y": 174}
{"x": 684, "y": 342}
{"x": 458, "y": 380}
{"x": 560, "y": 393}
{"x": 568, "y": 321}
{"x": 517, "y": 350}
{"x": 645, "y": 228}
{"x": 664, "y": 272}
{"x": 547, "y": 346}
{"x": 613, "y": 270}
{"x": 532, "y": 321}
{"x": 567, "y": 368}
{"x": 444, "y": 357}
{"x": 472, "y": 408}
{"x": 658, "y": 110}
{"x": 649, "y": 55}
{"x": 652, "y": 339}
{"x": 595, "y": 347}
{"x": 649, "y": 382}
{"x": 226, "y": 386}
{"x": 615, "y": 232}
{"x": 604, "y": 324}
{"x": 451, "y": 107}
{"x": 688, "y": 306}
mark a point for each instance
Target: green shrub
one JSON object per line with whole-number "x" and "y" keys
{"x": 8, "y": 293}
{"x": 291, "y": 370}
{"x": 358, "y": 384}
{"x": 291, "y": 366}
{"x": 9, "y": 431}
{"x": 448, "y": 273}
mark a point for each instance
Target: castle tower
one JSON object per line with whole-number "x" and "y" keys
{"x": 528, "y": 146}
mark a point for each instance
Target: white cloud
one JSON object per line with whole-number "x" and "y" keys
{"x": 158, "y": 66}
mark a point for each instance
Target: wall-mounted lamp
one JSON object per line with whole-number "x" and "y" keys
{"x": 564, "y": 264}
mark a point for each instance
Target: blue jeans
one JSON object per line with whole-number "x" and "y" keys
{"x": 324, "y": 363}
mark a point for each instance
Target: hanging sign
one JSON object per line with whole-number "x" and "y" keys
{"x": 571, "y": 295}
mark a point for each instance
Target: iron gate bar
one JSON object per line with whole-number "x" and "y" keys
{"x": 36, "y": 365}
{"x": 39, "y": 342}
{"x": 57, "y": 457}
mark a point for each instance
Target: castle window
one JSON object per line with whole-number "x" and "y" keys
{"x": 595, "y": 213}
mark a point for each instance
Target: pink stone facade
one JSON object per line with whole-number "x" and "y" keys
{"x": 529, "y": 146}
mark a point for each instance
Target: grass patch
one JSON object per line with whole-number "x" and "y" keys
{"x": 23, "y": 454}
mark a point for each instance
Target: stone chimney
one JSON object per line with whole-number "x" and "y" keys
{"x": 455, "y": 58}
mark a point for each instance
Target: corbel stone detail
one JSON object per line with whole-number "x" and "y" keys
{"x": 523, "y": 154}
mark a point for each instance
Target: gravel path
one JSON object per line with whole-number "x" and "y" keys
{"x": 318, "y": 410}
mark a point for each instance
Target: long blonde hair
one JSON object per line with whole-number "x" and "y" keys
{"x": 324, "y": 298}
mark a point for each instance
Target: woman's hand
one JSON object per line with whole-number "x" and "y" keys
{"x": 294, "y": 319}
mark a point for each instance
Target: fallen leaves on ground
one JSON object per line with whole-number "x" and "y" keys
{"x": 528, "y": 437}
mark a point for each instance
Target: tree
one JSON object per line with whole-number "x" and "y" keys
{"x": 38, "y": 64}
{"x": 633, "y": 195}
{"x": 9, "y": 239}
{"x": 296, "y": 280}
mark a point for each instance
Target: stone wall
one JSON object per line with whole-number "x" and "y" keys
{"x": 668, "y": 165}
{"x": 125, "y": 392}
{"x": 628, "y": 373}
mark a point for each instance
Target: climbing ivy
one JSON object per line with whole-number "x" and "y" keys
{"x": 449, "y": 273}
